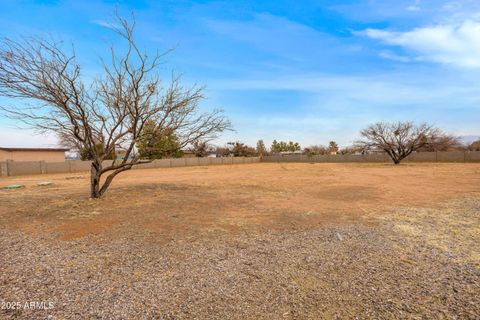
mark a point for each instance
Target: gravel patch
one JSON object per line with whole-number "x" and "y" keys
{"x": 350, "y": 271}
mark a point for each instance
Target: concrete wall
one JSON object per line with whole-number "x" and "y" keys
{"x": 37, "y": 155}
{"x": 17, "y": 168}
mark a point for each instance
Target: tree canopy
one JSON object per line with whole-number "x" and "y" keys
{"x": 158, "y": 143}
{"x": 282, "y": 146}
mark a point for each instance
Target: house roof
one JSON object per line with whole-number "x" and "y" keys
{"x": 34, "y": 149}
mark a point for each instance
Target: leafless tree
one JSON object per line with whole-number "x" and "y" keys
{"x": 397, "y": 139}
{"x": 223, "y": 152}
{"x": 442, "y": 142}
{"x": 201, "y": 148}
{"x": 109, "y": 112}
{"x": 69, "y": 141}
{"x": 350, "y": 150}
{"x": 474, "y": 146}
{"x": 240, "y": 149}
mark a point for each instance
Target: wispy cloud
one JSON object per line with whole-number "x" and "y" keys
{"x": 346, "y": 91}
{"x": 386, "y": 54}
{"x": 451, "y": 44}
{"x": 276, "y": 35}
{"x": 413, "y": 8}
{"x": 104, "y": 23}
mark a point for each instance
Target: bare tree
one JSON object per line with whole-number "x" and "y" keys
{"x": 223, "y": 152}
{"x": 201, "y": 148}
{"x": 442, "y": 142}
{"x": 350, "y": 150}
{"x": 398, "y": 139}
{"x": 474, "y": 146}
{"x": 67, "y": 141}
{"x": 112, "y": 110}
{"x": 240, "y": 149}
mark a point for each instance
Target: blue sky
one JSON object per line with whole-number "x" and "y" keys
{"x": 308, "y": 71}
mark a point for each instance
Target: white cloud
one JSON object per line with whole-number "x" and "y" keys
{"x": 276, "y": 35}
{"x": 370, "y": 90}
{"x": 105, "y": 24}
{"x": 451, "y": 44}
{"x": 386, "y": 54}
{"x": 23, "y": 138}
{"x": 413, "y": 8}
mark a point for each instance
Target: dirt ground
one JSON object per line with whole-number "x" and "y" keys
{"x": 272, "y": 241}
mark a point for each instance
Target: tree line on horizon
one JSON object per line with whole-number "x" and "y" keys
{"x": 397, "y": 139}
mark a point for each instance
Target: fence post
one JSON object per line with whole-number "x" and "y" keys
{"x": 9, "y": 167}
{"x": 3, "y": 169}
{"x": 43, "y": 167}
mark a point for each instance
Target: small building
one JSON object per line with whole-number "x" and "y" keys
{"x": 33, "y": 154}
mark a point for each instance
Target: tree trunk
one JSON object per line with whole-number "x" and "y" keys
{"x": 107, "y": 183}
{"x": 95, "y": 181}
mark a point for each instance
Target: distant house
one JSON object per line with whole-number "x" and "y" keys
{"x": 33, "y": 154}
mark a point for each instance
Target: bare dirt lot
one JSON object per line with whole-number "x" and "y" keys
{"x": 272, "y": 241}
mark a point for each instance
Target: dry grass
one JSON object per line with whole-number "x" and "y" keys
{"x": 228, "y": 198}
{"x": 248, "y": 241}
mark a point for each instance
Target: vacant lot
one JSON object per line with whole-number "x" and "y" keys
{"x": 273, "y": 241}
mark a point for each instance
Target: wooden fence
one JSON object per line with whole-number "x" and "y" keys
{"x": 439, "y": 156}
{"x": 16, "y": 168}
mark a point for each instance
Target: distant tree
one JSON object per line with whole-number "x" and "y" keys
{"x": 111, "y": 110}
{"x": 442, "y": 142}
{"x": 333, "y": 147}
{"x": 315, "y": 150}
{"x": 282, "y": 146}
{"x": 474, "y": 146}
{"x": 350, "y": 150}
{"x": 201, "y": 148}
{"x": 261, "y": 149}
{"x": 239, "y": 149}
{"x": 84, "y": 154}
{"x": 158, "y": 143}
{"x": 223, "y": 152}
{"x": 397, "y": 139}
{"x": 67, "y": 141}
